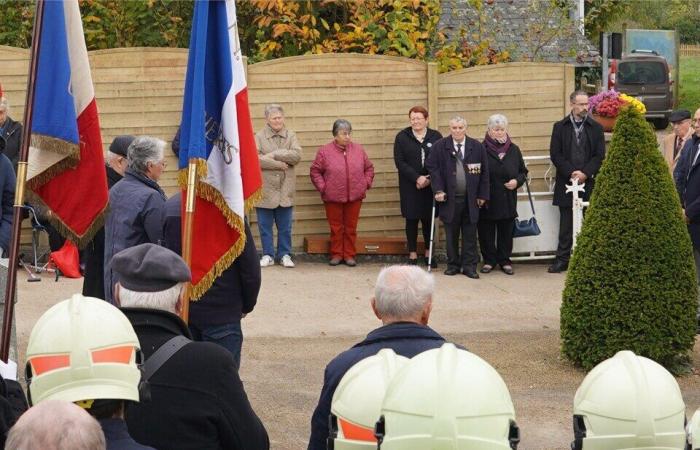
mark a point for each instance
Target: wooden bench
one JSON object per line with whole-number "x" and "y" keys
{"x": 366, "y": 245}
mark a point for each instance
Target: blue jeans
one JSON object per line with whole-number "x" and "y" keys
{"x": 229, "y": 336}
{"x": 282, "y": 217}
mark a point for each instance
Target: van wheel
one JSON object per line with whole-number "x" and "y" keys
{"x": 660, "y": 124}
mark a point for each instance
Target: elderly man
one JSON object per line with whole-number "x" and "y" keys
{"x": 674, "y": 142}
{"x": 136, "y": 204}
{"x": 7, "y": 200}
{"x": 403, "y": 299}
{"x": 197, "y": 397}
{"x": 55, "y": 425}
{"x": 459, "y": 176}
{"x": 279, "y": 152}
{"x": 94, "y": 253}
{"x": 577, "y": 150}
{"x": 10, "y": 132}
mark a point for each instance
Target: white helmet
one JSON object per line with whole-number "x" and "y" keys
{"x": 447, "y": 398}
{"x": 357, "y": 401}
{"x": 629, "y": 402}
{"x": 83, "y": 348}
{"x": 693, "y": 432}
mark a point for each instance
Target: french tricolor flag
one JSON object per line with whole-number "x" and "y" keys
{"x": 66, "y": 164}
{"x": 217, "y": 132}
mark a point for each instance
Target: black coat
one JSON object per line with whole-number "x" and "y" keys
{"x": 415, "y": 203}
{"x": 10, "y": 141}
{"x": 560, "y": 154}
{"x": 405, "y": 338}
{"x": 687, "y": 178}
{"x": 197, "y": 398}
{"x": 233, "y": 292}
{"x": 503, "y": 202}
{"x": 443, "y": 177}
{"x": 94, "y": 253}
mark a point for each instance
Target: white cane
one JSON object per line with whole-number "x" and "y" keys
{"x": 432, "y": 234}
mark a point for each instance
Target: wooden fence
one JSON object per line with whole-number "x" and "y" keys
{"x": 139, "y": 91}
{"x": 689, "y": 50}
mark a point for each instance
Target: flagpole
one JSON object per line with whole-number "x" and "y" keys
{"x": 187, "y": 233}
{"x": 19, "y": 187}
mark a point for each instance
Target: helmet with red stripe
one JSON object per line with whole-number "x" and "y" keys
{"x": 81, "y": 349}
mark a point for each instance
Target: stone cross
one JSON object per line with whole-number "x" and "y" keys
{"x": 576, "y": 189}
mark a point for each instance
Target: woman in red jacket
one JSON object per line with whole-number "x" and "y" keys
{"x": 342, "y": 173}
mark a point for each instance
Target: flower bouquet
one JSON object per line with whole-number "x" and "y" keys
{"x": 606, "y": 106}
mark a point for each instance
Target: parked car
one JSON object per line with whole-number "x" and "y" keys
{"x": 645, "y": 74}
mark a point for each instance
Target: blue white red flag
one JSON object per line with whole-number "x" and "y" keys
{"x": 66, "y": 164}
{"x": 217, "y": 132}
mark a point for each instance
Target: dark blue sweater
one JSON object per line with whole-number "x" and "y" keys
{"x": 7, "y": 199}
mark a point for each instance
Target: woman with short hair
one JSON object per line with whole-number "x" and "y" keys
{"x": 342, "y": 173}
{"x": 411, "y": 149}
{"x": 507, "y": 172}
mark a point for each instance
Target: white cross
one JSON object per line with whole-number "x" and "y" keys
{"x": 578, "y": 204}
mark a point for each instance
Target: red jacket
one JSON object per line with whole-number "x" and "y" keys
{"x": 342, "y": 175}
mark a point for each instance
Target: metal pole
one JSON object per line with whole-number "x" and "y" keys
{"x": 19, "y": 187}
{"x": 432, "y": 235}
{"x": 187, "y": 233}
{"x": 604, "y": 62}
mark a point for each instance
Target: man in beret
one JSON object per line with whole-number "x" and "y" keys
{"x": 673, "y": 143}
{"x": 197, "y": 397}
{"x": 94, "y": 253}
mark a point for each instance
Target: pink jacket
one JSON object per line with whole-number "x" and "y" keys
{"x": 342, "y": 176}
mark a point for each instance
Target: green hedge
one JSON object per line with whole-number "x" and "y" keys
{"x": 631, "y": 284}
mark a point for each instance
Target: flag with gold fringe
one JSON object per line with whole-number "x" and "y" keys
{"x": 216, "y": 130}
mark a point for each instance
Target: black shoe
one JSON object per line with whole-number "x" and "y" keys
{"x": 486, "y": 268}
{"x": 558, "y": 267}
{"x": 507, "y": 269}
{"x": 451, "y": 271}
{"x": 433, "y": 263}
{"x": 471, "y": 273}
{"x": 412, "y": 261}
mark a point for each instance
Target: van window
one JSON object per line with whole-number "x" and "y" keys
{"x": 641, "y": 72}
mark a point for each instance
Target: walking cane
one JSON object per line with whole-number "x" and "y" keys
{"x": 432, "y": 234}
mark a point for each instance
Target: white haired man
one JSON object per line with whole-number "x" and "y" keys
{"x": 403, "y": 299}
{"x": 197, "y": 397}
{"x": 10, "y": 132}
{"x": 56, "y": 425}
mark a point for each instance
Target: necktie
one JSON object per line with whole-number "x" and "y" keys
{"x": 459, "y": 150}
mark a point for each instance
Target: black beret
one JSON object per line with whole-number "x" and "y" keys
{"x": 120, "y": 144}
{"x": 149, "y": 268}
{"x": 678, "y": 115}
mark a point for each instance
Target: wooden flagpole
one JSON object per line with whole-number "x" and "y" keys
{"x": 187, "y": 233}
{"x": 20, "y": 186}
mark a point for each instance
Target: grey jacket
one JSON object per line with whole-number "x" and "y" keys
{"x": 135, "y": 217}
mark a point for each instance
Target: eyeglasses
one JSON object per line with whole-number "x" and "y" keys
{"x": 696, "y": 119}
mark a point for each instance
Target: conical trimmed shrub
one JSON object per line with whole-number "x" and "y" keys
{"x": 631, "y": 283}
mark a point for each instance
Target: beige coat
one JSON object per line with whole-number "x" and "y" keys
{"x": 668, "y": 146}
{"x": 278, "y": 153}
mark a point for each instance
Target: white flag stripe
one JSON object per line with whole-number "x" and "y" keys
{"x": 81, "y": 80}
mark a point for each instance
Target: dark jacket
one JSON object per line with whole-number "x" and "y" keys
{"x": 197, "y": 398}
{"x": 409, "y": 157}
{"x": 405, "y": 338}
{"x": 135, "y": 217}
{"x": 560, "y": 154}
{"x": 443, "y": 178}
{"x": 234, "y": 292}
{"x": 7, "y": 201}
{"x": 503, "y": 202}
{"x": 117, "y": 436}
{"x": 10, "y": 141}
{"x": 94, "y": 253}
{"x": 687, "y": 178}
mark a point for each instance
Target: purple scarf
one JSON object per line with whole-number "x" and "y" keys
{"x": 496, "y": 147}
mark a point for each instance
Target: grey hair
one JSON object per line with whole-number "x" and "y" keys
{"x": 401, "y": 292}
{"x": 162, "y": 300}
{"x": 109, "y": 156}
{"x": 341, "y": 124}
{"x": 273, "y": 107}
{"x": 55, "y": 425}
{"x": 459, "y": 119}
{"x": 575, "y": 94}
{"x": 144, "y": 150}
{"x": 497, "y": 120}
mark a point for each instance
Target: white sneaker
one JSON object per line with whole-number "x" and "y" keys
{"x": 287, "y": 261}
{"x": 267, "y": 261}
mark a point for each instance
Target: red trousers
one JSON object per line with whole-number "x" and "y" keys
{"x": 342, "y": 219}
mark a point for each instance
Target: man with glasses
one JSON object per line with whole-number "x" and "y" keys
{"x": 577, "y": 149}
{"x": 673, "y": 143}
{"x": 687, "y": 178}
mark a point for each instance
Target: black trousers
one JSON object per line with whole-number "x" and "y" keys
{"x": 461, "y": 224}
{"x": 566, "y": 233}
{"x": 496, "y": 240}
{"x": 412, "y": 232}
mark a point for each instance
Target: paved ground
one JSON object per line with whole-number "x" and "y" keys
{"x": 309, "y": 314}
